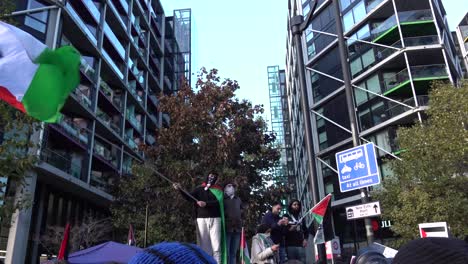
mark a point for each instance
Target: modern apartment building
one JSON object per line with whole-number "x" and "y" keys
{"x": 130, "y": 56}
{"x": 283, "y": 172}
{"x": 461, "y": 33}
{"x": 404, "y": 46}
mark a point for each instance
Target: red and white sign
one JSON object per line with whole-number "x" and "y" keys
{"x": 438, "y": 229}
{"x": 332, "y": 248}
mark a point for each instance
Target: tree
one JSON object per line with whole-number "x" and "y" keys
{"x": 430, "y": 184}
{"x": 87, "y": 234}
{"x": 209, "y": 130}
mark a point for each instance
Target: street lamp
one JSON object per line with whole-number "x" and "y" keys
{"x": 298, "y": 25}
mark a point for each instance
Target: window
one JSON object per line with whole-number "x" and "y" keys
{"x": 344, "y": 4}
{"x": 371, "y": 84}
{"x": 353, "y": 16}
{"x": 361, "y": 63}
{"x": 37, "y": 21}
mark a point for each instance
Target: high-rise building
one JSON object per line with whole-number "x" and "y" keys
{"x": 395, "y": 49}
{"x": 282, "y": 173}
{"x": 462, "y": 41}
{"x": 130, "y": 56}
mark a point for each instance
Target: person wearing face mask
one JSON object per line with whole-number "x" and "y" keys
{"x": 210, "y": 217}
{"x": 233, "y": 214}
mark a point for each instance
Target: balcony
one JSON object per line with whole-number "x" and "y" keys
{"x": 382, "y": 112}
{"x": 413, "y": 23}
{"x": 133, "y": 121}
{"x": 82, "y": 94}
{"x": 399, "y": 83}
{"x": 72, "y": 129}
{"x": 87, "y": 70}
{"x": 107, "y": 121}
{"x": 112, "y": 98}
{"x": 78, "y": 21}
{"x": 105, "y": 155}
{"x": 63, "y": 161}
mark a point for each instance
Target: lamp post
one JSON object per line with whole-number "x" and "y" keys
{"x": 298, "y": 25}
{"x": 350, "y": 104}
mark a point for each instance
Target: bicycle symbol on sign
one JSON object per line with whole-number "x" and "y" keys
{"x": 359, "y": 165}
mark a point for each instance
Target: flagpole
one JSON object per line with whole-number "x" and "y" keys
{"x": 167, "y": 179}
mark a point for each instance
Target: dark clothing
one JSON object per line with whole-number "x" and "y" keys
{"x": 211, "y": 210}
{"x": 277, "y": 231}
{"x": 295, "y": 237}
{"x": 233, "y": 213}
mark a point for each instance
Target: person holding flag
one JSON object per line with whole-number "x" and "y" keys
{"x": 297, "y": 233}
{"x": 211, "y": 234}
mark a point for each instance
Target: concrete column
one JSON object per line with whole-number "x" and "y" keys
{"x": 18, "y": 236}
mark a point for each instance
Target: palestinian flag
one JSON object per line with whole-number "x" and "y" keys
{"x": 33, "y": 78}
{"x": 319, "y": 210}
{"x": 244, "y": 250}
{"x": 218, "y": 192}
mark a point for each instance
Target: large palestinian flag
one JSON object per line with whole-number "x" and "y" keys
{"x": 33, "y": 78}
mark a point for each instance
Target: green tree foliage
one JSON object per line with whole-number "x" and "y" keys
{"x": 209, "y": 130}
{"x": 430, "y": 184}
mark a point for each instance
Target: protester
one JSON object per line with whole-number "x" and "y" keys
{"x": 433, "y": 250}
{"x": 210, "y": 232}
{"x": 264, "y": 250}
{"x": 233, "y": 215}
{"x": 172, "y": 252}
{"x": 278, "y": 227}
{"x": 297, "y": 233}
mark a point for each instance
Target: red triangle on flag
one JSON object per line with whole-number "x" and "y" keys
{"x": 423, "y": 233}
{"x": 321, "y": 208}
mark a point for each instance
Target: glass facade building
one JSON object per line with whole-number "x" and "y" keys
{"x": 283, "y": 172}
{"x": 409, "y": 45}
{"x": 130, "y": 56}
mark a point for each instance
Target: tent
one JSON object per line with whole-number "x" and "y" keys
{"x": 109, "y": 252}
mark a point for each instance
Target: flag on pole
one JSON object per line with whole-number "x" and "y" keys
{"x": 319, "y": 210}
{"x": 33, "y": 78}
{"x": 63, "y": 252}
{"x": 244, "y": 250}
{"x": 131, "y": 236}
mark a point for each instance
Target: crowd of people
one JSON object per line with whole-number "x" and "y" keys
{"x": 278, "y": 238}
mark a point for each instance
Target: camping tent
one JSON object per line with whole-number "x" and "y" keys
{"x": 109, "y": 252}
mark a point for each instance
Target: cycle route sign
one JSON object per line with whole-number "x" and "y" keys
{"x": 357, "y": 167}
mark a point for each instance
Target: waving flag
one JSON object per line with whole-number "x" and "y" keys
{"x": 131, "y": 236}
{"x": 319, "y": 210}
{"x": 63, "y": 252}
{"x": 33, "y": 78}
{"x": 244, "y": 250}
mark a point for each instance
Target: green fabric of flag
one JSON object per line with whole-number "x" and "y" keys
{"x": 57, "y": 75}
{"x": 219, "y": 194}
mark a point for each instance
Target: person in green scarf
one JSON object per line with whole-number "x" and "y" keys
{"x": 211, "y": 234}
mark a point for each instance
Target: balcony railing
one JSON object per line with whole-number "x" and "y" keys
{"x": 82, "y": 97}
{"x": 107, "y": 120}
{"x": 77, "y": 132}
{"x": 404, "y": 17}
{"x": 430, "y": 72}
{"x": 105, "y": 153}
{"x": 59, "y": 161}
{"x": 133, "y": 121}
{"x": 395, "y": 109}
{"x": 87, "y": 69}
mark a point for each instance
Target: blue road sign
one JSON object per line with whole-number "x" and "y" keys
{"x": 357, "y": 167}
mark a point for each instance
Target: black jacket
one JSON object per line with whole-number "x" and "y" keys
{"x": 277, "y": 231}
{"x": 233, "y": 213}
{"x": 211, "y": 210}
{"x": 296, "y": 236}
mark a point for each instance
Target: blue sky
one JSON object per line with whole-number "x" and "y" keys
{"x": 241, "y": 38}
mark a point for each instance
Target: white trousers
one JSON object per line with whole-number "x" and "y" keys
{"x": 209, "y": 236}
